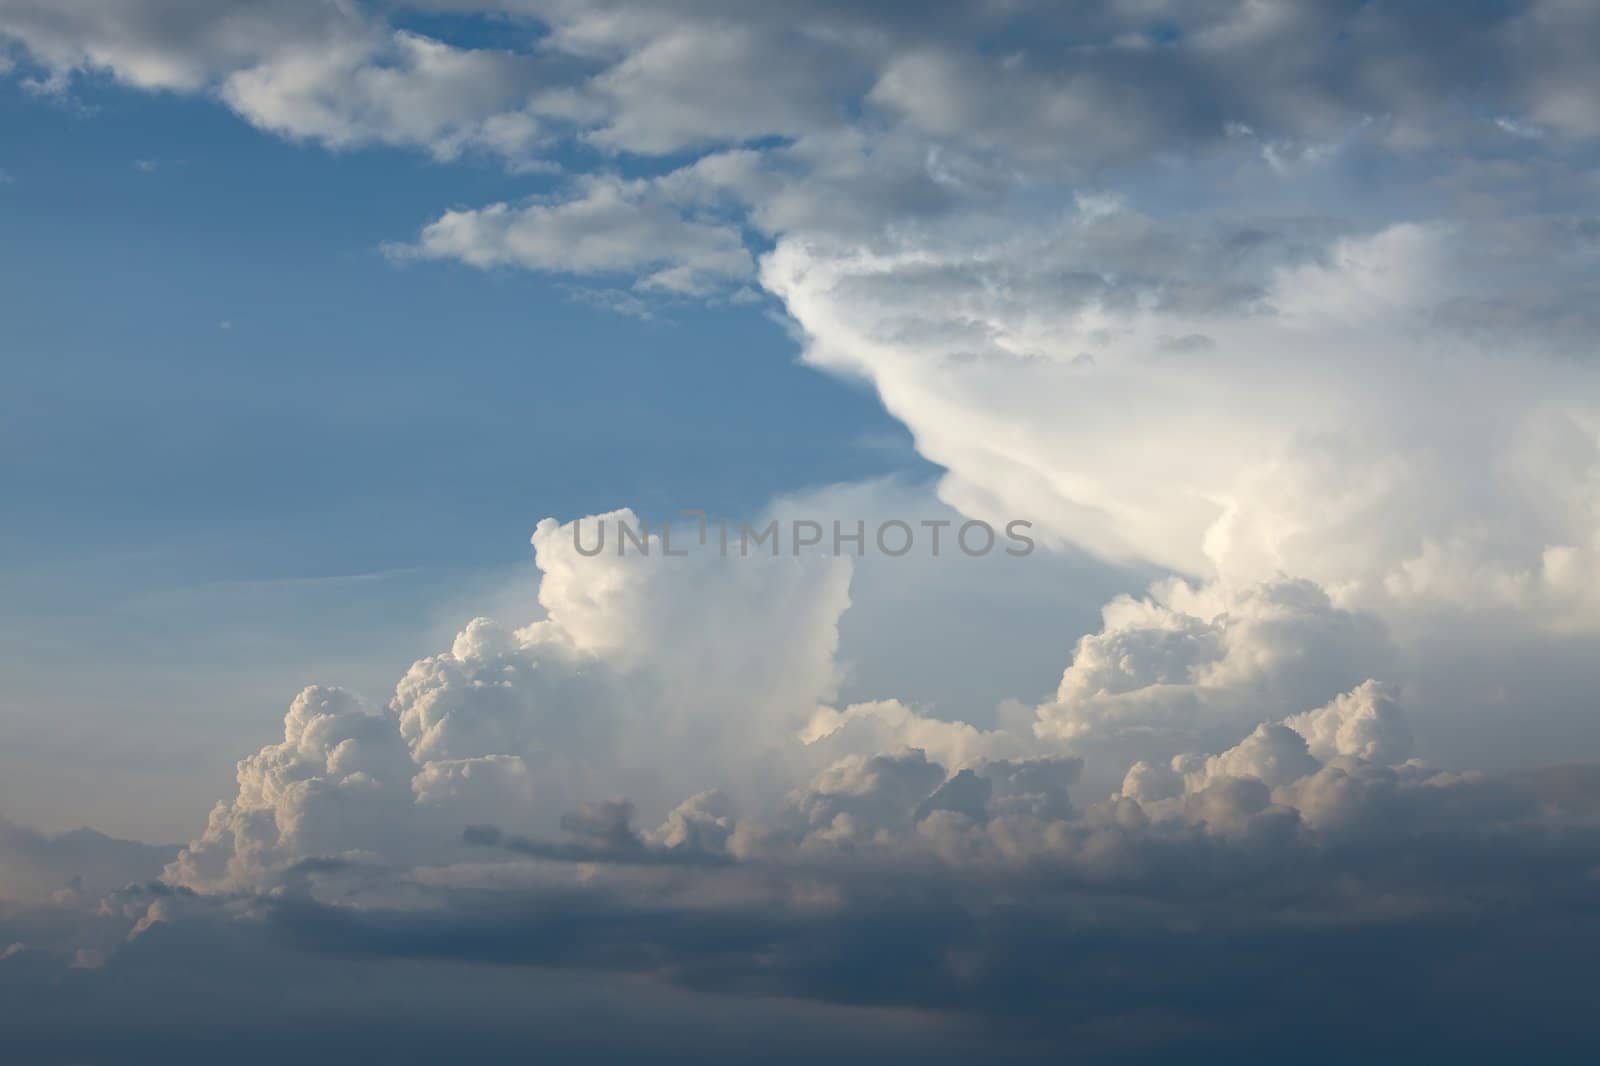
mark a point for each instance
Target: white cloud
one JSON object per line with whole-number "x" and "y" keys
{"x": 673, "y": 92}
{"x": 614, "y": 692}
{"x": 1364, "y": 723}
{"x": 336, "y": 783}
{"x": 888, "y": 725}
{"x": 154, "y": 45}
{"x": 1191, "y": 667}
{"x": 332, "y": 73}
{"x": 610, "y": 227}
{"x": 405, "y": 90}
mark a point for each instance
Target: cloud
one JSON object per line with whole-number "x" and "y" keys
{"x": 499, "y": 783}
{"x": 150, "y": 45}
{"x": 671, "y": 93}
{"x": 1194, "y": 666}
{"x": 610, "y": 693}
{"x": 331, "y": 73}
{"x": 884, "y": 725}
{"x": 888, "y": 884}
{"x": 497, "y": 817}
{"x": 974, "y": 345}
{"x": 405, "y": 90}
{"x": 1332, "y": 459}
{"x": 1092, "y": 84}
{"x": 610, "y": 227}
{"x": 78, "y": 864}
{"x": 1365, "y": 723}
{"x": 184, "y": 992}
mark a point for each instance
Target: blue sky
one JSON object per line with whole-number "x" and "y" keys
{"x": 245, "y": 427}
{"x": 244, "y": 361}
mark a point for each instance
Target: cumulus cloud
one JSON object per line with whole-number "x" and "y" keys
{"x": 405, "y": 90}
{"x": 577, "y": 794}
{"x": 884, "y": 725}
{"x": 551, "y": 745}
{"x": 614, "y": 692}
{"x": 1191, "y": 666}
{"x": 331, "y": 73}
{"x": 1094, "y": 79}
{"x": 610, "y": 227}
{"x": 1364, "y": 723}
{"x": 892, "y": 882}
{"x": 853, "y": 115}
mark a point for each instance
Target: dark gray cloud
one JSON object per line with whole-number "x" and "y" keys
{"x": 82, "y": 861}
{"x": 209, "y": 990}
{"x": 1431, "y": 920}
{"x": 1455, "y": 924}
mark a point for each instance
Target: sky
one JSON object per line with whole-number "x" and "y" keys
{"x": 332, "y": 329}
{"x": 246, "y": 441}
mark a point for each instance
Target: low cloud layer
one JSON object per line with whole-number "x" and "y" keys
{"x": 568, "y": 796}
